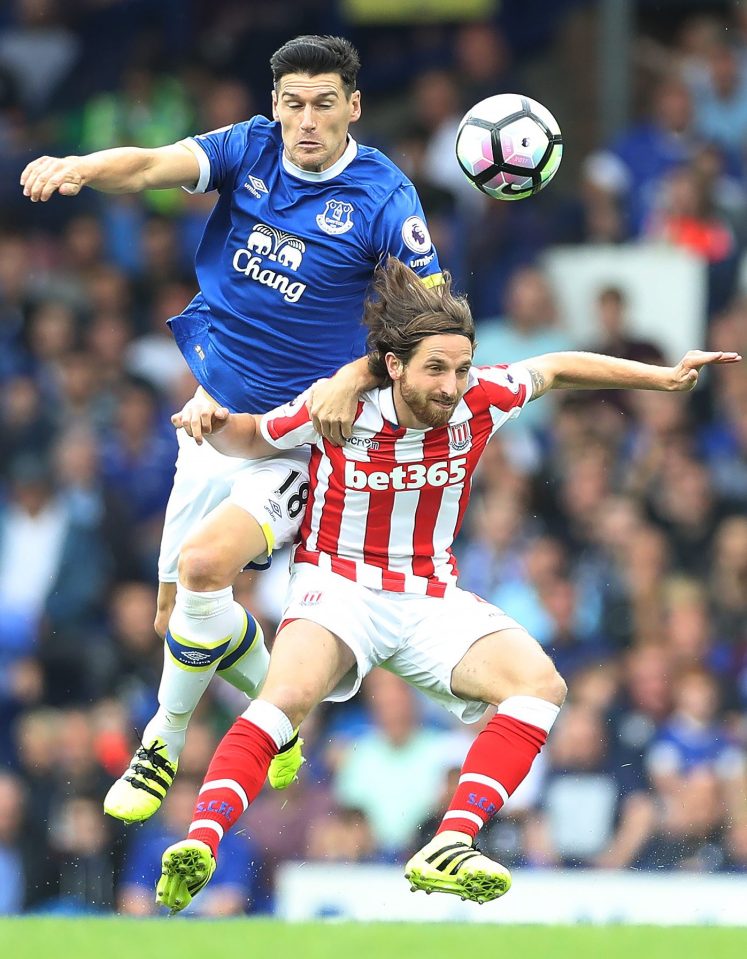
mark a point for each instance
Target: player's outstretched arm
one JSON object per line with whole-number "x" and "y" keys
{"x": 233, "y": 434}
{"x": 595, "y": 371}
{"x": 121, "y": 170}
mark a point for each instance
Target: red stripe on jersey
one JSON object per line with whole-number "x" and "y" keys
{"x": 303, "y": 555}
{"x": 394, "y": 582}
{"x": 344, "y": 567}
{"x": 481, "y": 426}
{"x": 435, "y": 449}
{"x": 381, "y": 504}
{"x": 314, "y": 461}
{"x": 436, "y": 588}
{"x": 330, "y": 520}
{"x": 278, "y": 426}
{"x": 338, "y": 564}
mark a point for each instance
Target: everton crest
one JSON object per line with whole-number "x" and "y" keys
{"x": 336, "y": 217}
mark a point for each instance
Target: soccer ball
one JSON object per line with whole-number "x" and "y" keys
{"x": 509, "y": 146}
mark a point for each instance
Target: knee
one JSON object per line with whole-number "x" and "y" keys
{"x": 544, "y": 682}
{"x": 202, "y": 567}
{"x": 294, "y": 700}
{"x": 557, "y": 690}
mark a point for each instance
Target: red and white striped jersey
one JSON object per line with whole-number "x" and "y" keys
{"x": 385, "y": 508}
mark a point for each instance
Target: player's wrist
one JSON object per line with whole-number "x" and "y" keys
{"x": 358, "y": 376}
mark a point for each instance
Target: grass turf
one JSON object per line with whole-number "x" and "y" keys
{"x": 118, "y": 938}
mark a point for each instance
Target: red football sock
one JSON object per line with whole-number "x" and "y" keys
{"x": 498, "y": 760}
{"x": 234, "y": 778}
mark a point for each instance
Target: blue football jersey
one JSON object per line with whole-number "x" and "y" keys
{"x": 285, "y": 262}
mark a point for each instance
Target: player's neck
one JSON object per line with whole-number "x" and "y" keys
{"x": 342, "y": 157}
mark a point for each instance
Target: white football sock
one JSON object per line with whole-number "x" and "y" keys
{"x": 203, "y": 628}
{"x": 247, "y": 670}
{"x": 271, "y": 719}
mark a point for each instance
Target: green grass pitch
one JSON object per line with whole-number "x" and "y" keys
{"x": 179, "y": 938}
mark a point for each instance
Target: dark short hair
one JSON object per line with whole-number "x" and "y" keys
{"x": 402, "y": 311}
{"x": 313, "y": 55}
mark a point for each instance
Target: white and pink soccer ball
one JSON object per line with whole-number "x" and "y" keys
{"x": 509, "y": 146}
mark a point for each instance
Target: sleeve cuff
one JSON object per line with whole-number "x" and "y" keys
{"x": 265, "y": 431}
{"x": 202, "y": 158}
{"x": 522, "y": 374}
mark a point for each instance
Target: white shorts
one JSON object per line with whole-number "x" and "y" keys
{"x": 420, "y": 638}
{"x": 273, "y": 490}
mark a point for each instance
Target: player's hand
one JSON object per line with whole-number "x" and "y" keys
{"x": 685, "y": 373}
{"x": 200, "y": 417}
{"x": 48, "y": 175}
{"x": 332, "y": 405}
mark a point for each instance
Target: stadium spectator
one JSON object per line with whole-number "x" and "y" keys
{"x": 12, "y": 871}
{"x": 82, "y": 858}
{"x": 342, "y": 834}
{"x": 39, "y": 50}
{"x": 436, "y": 103}
{"x": 685, "y": 216}
{"x": 695, "y": 738}
{"x": 727, "y": 586}
{"x": 649, "y": 150}
{"x": 645, "y": 700}
{"x": 529, "y": 327}
{"x": 689, "y": 830}
{"x": 614, "y": 337}
{"x": 612, "y": 817}
{"x": 720, "y": 98}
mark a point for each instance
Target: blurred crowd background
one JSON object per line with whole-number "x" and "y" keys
{"x": 613, "y": 526}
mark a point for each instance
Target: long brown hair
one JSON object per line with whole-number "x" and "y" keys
{"x": 402, "y": 311}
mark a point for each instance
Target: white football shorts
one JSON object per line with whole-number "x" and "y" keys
{"x": 273, "y": 490}
{"x": 420, "y": 638}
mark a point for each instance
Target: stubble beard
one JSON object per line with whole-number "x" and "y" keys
{"x": 431, "y": 414}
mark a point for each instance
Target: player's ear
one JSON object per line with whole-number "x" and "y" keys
{"x": 355, "y": 105}
{"x": 275, "y": 115}
{"x": 393, "y": 366}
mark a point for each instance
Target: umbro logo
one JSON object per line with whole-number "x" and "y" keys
{"x": 255, "y": 186}
{"x": 194, "y": 657}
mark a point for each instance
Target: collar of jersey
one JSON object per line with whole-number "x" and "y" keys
{"x": 351, "y": 151}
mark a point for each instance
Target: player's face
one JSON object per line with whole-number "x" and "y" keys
{"x": 314, "y": 113}
{"x": 428, "y": 388}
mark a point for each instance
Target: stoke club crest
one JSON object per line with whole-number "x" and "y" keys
{"x": 336, "y": 218}
{"x": 459, "y": 437}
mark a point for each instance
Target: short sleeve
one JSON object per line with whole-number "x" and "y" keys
{"x": 508, "y": 388}
{"x": 218, "y": 153}
{"x": 400, "y": 230}
{"x": 289, "y": 426}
